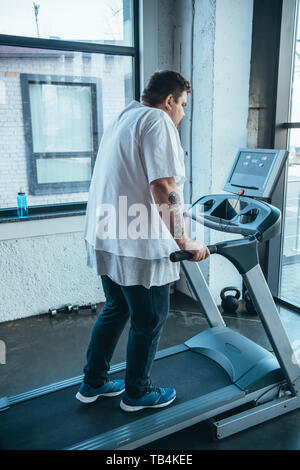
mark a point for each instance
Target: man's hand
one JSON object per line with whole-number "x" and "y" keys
{"x": 165, "y": 191}
{"x": 198, "y": 249}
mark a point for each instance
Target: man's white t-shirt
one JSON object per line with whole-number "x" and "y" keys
{"x": 141, "y": 145}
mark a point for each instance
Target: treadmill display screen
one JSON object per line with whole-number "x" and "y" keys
{"x": 252, "y": 169}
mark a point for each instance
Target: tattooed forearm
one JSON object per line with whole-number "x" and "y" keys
{"x": 175, "y": 206}
{"x": 169, "y": 206}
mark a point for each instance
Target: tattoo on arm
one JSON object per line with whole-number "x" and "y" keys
{"x": 174, "y": 198}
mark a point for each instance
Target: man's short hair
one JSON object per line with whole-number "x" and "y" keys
{"x": 162, "y": 84}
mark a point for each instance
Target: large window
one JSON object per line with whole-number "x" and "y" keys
{"x": 61, "y": 83}
{"x": 290, "y": 260}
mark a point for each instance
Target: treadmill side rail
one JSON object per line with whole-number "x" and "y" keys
{"x": 4, "y": 404}
{"x": 254, "y": 416}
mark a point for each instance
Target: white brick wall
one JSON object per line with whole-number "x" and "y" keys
{"x": 45, "y": 272}
{"x": 13, "y": 173}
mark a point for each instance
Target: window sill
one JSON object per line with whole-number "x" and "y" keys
{"x": 40, "y": 216}
{"x": 45, "y": 211}
{"x": 42, "y": 221}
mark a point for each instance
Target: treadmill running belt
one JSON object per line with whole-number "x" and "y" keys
{"x": 58, "y": 420}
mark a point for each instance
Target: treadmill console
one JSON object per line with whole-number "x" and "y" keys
{"x": 237, "y": 214}
{"x": 253, "y": 176}
{"x": 255, "y": 172}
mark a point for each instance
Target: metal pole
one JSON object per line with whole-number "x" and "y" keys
{"x": 298, "y": 224}
{"x": 36, "y": 12}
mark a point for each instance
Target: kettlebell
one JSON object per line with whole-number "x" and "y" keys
{"x": 230, "y": 303}
{"x": 249, "y": 305}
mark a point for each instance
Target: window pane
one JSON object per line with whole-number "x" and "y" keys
{"x": 61, "y": 117}
{"x": 102, "y": 21}
{"x": 290, "y": 269}
{"x": 71, "y": 101}
{"x": 54, "y": 170}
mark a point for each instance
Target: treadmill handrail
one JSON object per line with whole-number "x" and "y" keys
{"x": 216, "y": 226}
{"x": 242, "y": 253}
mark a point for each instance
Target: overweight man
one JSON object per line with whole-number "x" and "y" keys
{"x": 133, "y": 223}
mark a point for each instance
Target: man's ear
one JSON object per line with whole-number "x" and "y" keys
{"x": 168, "y": 101}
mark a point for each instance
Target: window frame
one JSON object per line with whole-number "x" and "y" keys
{"x": 282, "y": 125}
{"x": 36, "y": 188}
{"x": 10, "y": 214}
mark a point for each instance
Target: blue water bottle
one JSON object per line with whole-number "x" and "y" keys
{"x": 22, "y": 208}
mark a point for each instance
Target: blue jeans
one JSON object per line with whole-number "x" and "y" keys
{"x": 148, "y": 310}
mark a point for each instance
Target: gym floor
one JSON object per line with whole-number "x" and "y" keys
{"x": 41, "y": 350}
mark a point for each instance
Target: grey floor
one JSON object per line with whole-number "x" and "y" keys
{"x": 41, "y": 351}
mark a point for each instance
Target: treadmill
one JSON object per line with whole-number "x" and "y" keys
{"x": 219, "y": 375}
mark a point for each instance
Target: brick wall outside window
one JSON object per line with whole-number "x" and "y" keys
{"x": 13, "y": 173}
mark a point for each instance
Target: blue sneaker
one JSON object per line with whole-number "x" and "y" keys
{"x": 88, "y": 394}
{"x": 154, "y": 398}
